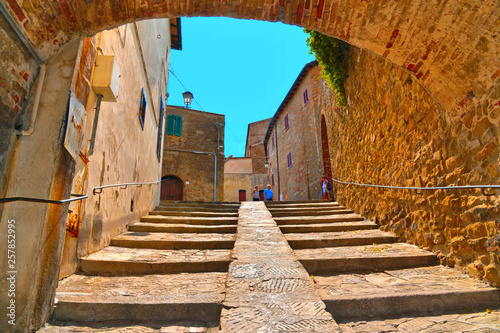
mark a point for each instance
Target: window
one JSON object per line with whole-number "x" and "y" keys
{"x": 174, "y": 125}
{"x": 272, "y": 179}
{"x": 289, "y": 159}
{"x": 267, "y": 151}
{"x": 272, "y": 142}
{"x": 142, "y": 109}
{"x": 287, "y": 124}
{"x": 160, "y": 130}
{"x": 306, "y": 97}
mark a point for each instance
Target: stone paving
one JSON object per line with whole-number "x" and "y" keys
{"x": 267, "y": 288}
{"x": 269, "y": 281}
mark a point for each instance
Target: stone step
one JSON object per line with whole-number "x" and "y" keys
{"x": 305, "y": 209}
{"x": 194, "y": 214}
{"x": 280, "y": 213}
{"x": 364, "y": 259}
{"x": 412, "y": 292}
{"x": 335, "y": 239}
{"x": 318, "y": 219}
{"x": 294, "y": 202}
{"x": 305, "y": 204}
{"x": 146, "y": 240}
{"x": 114, "y": 260}
{"x": 190, "y": 220}
{"x": 201, "y": 203}
{"x": 195, "y": 209}
{"x": 328, "y": 227}
{"x": 182, "y": 228}
{"x": 148, "y": 298}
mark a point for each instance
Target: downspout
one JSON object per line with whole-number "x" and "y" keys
{"x": 277, "y": 163}
{"x": 204, "y": 153}
{"x": 43, "y": 69}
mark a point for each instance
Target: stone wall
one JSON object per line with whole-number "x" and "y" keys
{"x": 182, "y": 155}
{"x": 394, "y": 132}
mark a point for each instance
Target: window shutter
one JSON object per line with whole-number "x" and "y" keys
{"x": 170, "y": 124}
{"x": 178, "y": 126}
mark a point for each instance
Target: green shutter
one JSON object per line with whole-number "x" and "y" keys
{"x": 170, "y": 125}
{"x": 178, "y": 126}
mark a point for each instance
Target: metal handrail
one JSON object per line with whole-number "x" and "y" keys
{"x": 98, "y": 189}
{"x": 433, "y": 188}
{"x": 58, "y": 202}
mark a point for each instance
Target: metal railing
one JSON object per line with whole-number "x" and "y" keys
{"x": 95, "y": 191}
{"x": 434, "y": 188}
{"x": 58, "y": 202}
{"x": 98, "y": 189}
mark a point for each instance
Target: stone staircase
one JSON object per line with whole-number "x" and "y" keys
{"x": 170, "y": 266}
{"x": 290, "y": 267}
{"x": 363, "y": 273}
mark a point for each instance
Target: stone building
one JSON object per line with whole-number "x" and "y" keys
{"x": 293, "y": 140}
{"x": 193, "y": 155}
{"x": 242, "y": 174}
{"x": 111, "y": 139}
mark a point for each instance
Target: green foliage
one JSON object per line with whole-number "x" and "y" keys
{"x": 331, "y": 55}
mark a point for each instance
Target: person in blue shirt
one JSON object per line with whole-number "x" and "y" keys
{"x": 268, "y": 193}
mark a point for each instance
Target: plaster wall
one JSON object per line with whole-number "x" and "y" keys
{"x": 124, "y": 152}
{"x": 240, "y": 181}
{"x": 238, "y": 165}
{"x": 42, "y": 169}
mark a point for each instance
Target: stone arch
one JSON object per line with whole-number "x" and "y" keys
{"x": 451, "y": 50}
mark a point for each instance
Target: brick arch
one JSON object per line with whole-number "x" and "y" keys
{"x": 449, "y": 46}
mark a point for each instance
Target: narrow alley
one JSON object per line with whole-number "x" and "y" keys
{"x": 267, "y": 267}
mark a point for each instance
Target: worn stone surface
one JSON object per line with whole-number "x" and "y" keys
{"x": 267, "y": 288}
{"x": 484, "y": 322}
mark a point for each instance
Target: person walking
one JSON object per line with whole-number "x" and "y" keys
{"x": 325, "y": 193}
{"x": 268, "y": 193}
{"x": 255, "y": 193}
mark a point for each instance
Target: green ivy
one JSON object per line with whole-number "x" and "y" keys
{"x": 331, "y": 54}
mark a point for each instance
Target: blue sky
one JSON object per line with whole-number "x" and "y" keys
{"x": 240, "y": 68}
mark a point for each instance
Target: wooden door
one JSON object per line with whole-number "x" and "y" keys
{"x": 171, "y": 189}
{"x": 242, "y": 195}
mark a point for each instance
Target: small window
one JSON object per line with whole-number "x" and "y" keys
{"x": 287, "y": 124}
{"x": 142, "y": 109}
{"x": 174, "y": 125}
{"x": 272, "y": 142}
{"x": 267, "y": 151}
{"x": 289, "y": 159}
{"x": 306, "y": 97}
{"x": 272, "y": 179}
{"x": 160, "y": 130}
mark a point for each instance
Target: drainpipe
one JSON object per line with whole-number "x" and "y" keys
{"x": 277, "y": 163}
{"x": 94, "y": 128}
{"x": 43, "y": 69}
{"x": 204, "y": 153}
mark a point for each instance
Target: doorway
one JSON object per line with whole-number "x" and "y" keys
{"x": 171, "y": 188}
{"x": 242, "y": 195}
{"x": 327, "y": 166}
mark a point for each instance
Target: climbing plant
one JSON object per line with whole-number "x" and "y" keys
{"x": 331, "y": 54}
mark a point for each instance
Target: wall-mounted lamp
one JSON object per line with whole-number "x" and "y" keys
{"x": 188, "y": 97}
{"x": 266, "y": 165}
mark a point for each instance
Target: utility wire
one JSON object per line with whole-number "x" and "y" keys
{"x": 171, "y": 70}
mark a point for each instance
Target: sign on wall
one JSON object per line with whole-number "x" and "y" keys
{"x": 75, "y": 126}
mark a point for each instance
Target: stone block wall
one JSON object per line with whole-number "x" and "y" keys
{"x": 393, "y": 132}
{"x": 199, "y": 134}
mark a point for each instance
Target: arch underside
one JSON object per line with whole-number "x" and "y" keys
{"x": 450, "y": 46}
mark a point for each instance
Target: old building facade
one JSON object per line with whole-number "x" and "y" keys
{"x": 193, "y": 155}
{"x": 242, "y": 174}
{"x": 110, "y": 139}
{"x": 293, "y": 140}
